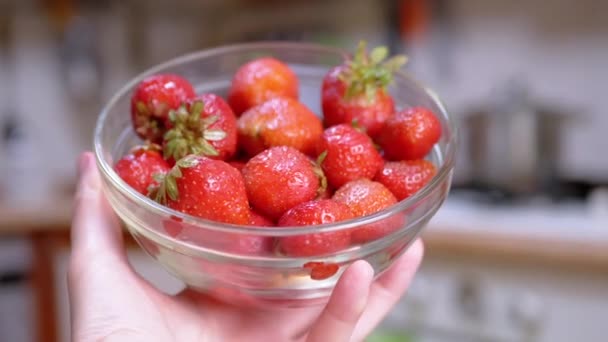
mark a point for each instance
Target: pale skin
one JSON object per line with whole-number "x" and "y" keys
{"x": 109, "y": 301}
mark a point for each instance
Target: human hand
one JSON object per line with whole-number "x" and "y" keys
{"x": 109, "y": 301}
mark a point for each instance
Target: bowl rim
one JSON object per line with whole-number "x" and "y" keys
{"x": 116, "y": 182}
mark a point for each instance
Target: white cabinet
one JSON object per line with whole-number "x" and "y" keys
{"x": 455, "y": 298}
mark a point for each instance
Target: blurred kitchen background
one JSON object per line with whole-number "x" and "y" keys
{"x": 518, "y": 253}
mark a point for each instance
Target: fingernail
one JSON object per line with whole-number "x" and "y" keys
{"x": 367, "y": 276}
{"x": 369, "y": 270}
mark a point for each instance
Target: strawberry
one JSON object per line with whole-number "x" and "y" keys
{"x": 259, "y": 220}
{"x": 321, "y": 270}
{"x": 280, "y": 121}
{"x": 315, "y": 213}
{"x": 174, "y": 225}
{"x": 410, "y": 134}
{"x": 356, "y": 90}
{"x": 206, "y": 188}
{"x": 251, "y": 244}
{"x": 205, "y": 126}
{"x": 233, "y": 243}
{"x": 405, "y": 178}
{"x": 259, "y": 81}
{"x": 365, "y": 197}
{"x": 248, "y": 244}
{"x": 237, "y": 164}
{"x": 140, "y": 165}
{"x": 280, "y": 178}
{"x": 153, "y": 99}
{"x": 347, "y": 154}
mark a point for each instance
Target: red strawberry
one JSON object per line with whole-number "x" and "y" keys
{"x": 365, "y": 197}
{"x": 259, "y": 81}
{"x": 251, "y": 244}
{"x": 278, "y": 179}
{"x": 410, "y": 134}
{"x": 356, "y": 91}
{"x": 405, "y": 178}
{"x": 346, "y": 154}
{"x": 248, "y": 244}
{"x": 203, "y": 126}
{"x": 205, "y": 188}
{"x": 139, "y": 167}
{"x": 153, "y": 99}
{"x": 321, "y": 270}
{"x": 237, "y": 164}
{"x": 279, "y": 122}
{"x": 259, "y": 220}
{"x": 173, "y": 226}
{"x": 315, "y": 213}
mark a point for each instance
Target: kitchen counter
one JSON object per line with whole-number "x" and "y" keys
{"x": 457, "y": 231}
{"x": 36, "y": 218}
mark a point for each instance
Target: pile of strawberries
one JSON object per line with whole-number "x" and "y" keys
{"x": 261, "y": 157}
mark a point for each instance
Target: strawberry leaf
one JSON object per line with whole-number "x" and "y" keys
{"x": 146, "y": 146}
{"x": 186, "y": 163}
{"x": 158, "y": 177}
{"x": 168, "y": 183}
{"x": 395, "y": 63}
{"x": 171, "y": 188}
{"x": 367, "y": 73}
{"x": 197, "y": 108}
{"x": 361, "y": 54}
{"x": 159, "y": 109}
{"x": 210, "y": 120}
{"x": 214, "y": 135}
{"x": 142, "y": 108}
{"x": 378, "y": 54}
{"x": 321, "y": 157}
{"x": 318, "y": 170}
{"x": 357, "y": 125}
{"x": 192, "y": 133}
{"x": 203, "y": 147}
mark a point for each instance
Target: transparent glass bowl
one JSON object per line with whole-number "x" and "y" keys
{"x": 195, "y": 250}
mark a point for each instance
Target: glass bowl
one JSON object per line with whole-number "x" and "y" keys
{"x": 198, "y": 252}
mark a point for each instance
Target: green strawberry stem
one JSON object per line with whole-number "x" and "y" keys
{"x": 318, "y": 170}
{"x": 146, "y": 146}
{"x": 356, "y": 125}
{"x": 191, "y": 133}
{"x": 146, "y": 123}
{"x": 366, "y": 73}
{"x": 167, "y": 184}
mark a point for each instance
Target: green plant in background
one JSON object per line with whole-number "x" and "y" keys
{"x": 390, "y": 336}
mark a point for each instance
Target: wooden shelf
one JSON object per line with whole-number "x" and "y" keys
{"x": 548, "y": 252}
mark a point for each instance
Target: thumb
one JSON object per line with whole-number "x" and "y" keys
{"x": 345, "y": 306}
{"x": 96, "y": 232}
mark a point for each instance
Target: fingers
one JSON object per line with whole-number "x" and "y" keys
{"x": 388, "y": 289}
{"x": 347, "y": 302}
{"x": 95, "y": 229}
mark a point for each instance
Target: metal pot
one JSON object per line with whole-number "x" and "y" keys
{"x": 514, "y": 144}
